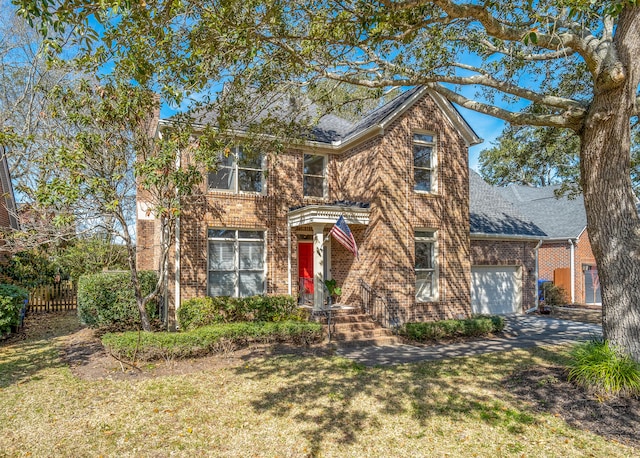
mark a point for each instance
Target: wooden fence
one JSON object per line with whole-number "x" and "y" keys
{"x": 53, "y": 298}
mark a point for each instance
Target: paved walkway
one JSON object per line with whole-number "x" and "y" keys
{"x": 521, "y": 331}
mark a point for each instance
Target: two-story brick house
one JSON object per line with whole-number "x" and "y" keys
{"x": 400, "y": 178}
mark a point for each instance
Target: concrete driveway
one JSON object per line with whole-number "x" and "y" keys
{"x": 521, "y": 331}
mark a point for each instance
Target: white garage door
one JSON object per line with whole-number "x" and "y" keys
{"x": 496, "y": 289}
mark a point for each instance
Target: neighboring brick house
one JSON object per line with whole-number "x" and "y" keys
{"x": 8, "y": 219}
{"x": 504, "y": 244}
{"x": 400, "y": 177}
{"x": 565, "y": 256}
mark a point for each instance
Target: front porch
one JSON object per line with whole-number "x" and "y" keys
{"x": 308, "y": 237}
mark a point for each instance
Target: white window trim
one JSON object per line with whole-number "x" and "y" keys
{"x": 236, "y": 182}
{"x": 325, "y": 162}
{"x": 436, "y": 265}
{"x": 434, "y": 160}
{"x": 236, "y": 255}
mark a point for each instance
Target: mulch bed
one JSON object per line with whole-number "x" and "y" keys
{"x": 548, "y": 390}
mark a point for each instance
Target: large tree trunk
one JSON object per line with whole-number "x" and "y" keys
{"x": 612, "y": 218}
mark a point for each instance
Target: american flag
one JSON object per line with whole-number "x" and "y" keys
{"x": 343, "y": 235}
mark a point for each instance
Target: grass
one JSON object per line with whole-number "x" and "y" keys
{"x": 283, "y": 406}
{"x": 148, "y": 346}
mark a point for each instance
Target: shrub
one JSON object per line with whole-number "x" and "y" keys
{"x": 554, "y": 295}
{"x": 11, "y": 300}
{"x": 435, "y": 330}
{"x": 209, "y": 339}
{"x": 600, "y": 368}
{"x": 204, "y": 311}
{"x": 107, "y": 300}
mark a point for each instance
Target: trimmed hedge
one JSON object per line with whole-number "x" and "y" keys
{"x": 11, "y": 300}
{"x": 148, "y": 346}
{"x": 446, "y": 329}
{"x": 204, "y": 311}
{"x": 107, "y": 301}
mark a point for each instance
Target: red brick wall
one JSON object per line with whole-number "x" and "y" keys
{"x": 378, "y": 171}
{"x": 510, "y": 253}
{"x": 555, "y": 255}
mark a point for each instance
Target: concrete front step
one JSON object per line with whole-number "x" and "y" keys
{"x": 360, "y": 335}
{"x": 378, "y": 341}
{"x": 354, "y": 326}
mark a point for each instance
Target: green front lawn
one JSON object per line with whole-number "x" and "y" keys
{"x": 283, "y": 406}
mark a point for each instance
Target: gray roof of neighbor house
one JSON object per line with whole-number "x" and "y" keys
{"x": 7, "y": 196}
{"x": 492, "y": 215}
{"x": 558, "y": 217}
{"x": 330, "y": 128}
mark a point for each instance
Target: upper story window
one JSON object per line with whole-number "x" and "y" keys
{"x": 424, "y": 162}
{"x": 426, "y": 247}
{"x": 314, "y": 175}
{"x": 240, "y": 171}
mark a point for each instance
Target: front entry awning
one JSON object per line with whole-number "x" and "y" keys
{"x": 353, "y": 212}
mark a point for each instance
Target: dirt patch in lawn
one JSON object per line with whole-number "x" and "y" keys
{"x": 548, "y": 390}
{"x": 83, "y": 352}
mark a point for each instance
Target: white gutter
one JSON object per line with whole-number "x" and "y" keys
{"x": 521, "y": 238}
{"x": 573, "y": 271}
{"x": 533, "y": 309}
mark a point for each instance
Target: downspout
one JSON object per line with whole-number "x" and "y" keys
{"x": 537, "y": 276}
{"x": 177, "y": 251}
{"x": 289, "y": 289}
{"x": 573, "y": 271}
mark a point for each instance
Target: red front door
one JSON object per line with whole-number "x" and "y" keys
{"x": 305, "y": 267}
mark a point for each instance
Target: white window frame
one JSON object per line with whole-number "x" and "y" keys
{"x": 433, "y": 239}
{"x": 236, "y": 254}
{"x": 235, "y": 189}
{"x": 434, "y": 161}
{"x": 323, "y": 176}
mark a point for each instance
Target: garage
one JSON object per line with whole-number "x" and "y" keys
{"x": 496, "y": 290}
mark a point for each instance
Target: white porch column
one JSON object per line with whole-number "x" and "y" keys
{"x": 318, "y": 268}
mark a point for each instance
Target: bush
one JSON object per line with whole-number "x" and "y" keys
{"x": 600, "y": 368}
{"x": 204, "y": 311}
{"x": 11, "y": 301}
{"x": 554, "y": 295}
{"x": 107, "y": 300}
{"x": 435, "y": 330}
{"x": 209, "y": 339}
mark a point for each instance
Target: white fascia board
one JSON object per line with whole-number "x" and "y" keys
{"x": 328, "y": 214}
{"x": 504, "y": 237}
{"x": 458, "y": 122}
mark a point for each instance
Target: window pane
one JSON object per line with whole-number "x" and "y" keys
{"x": 221, "y": 256}
{"x": 422, "y": 156}
{"x": 251, "y": 283}
{"x": 250, "y": 180}
{"x": 313, "y": 186}
{"x": 423, "y": 138}
{"x": 251, "y": 255}
{"x": 226, "y": 160}
{"x": 423, "y": 180}
{"x": 221, "y": 234}
{"x": 424, "y": 285}
{"x": 313, "y": 164}
{"x": 251, "y": 235}
{"x": 222, "y": 283}
{"x": 249, "y": 158}
{"x": 221, "y": 178}
{"x": 425, "y": 234}
{"x": 424, "y": 255}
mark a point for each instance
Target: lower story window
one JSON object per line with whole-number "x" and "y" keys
{"x": 426, "y": 248}
{"x": 236, "y": 264}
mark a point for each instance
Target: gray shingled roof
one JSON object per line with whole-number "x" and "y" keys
{"x": 491, "y": 214}
{"x": 558, "y": 217}
{"x": 329, "y": 128}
